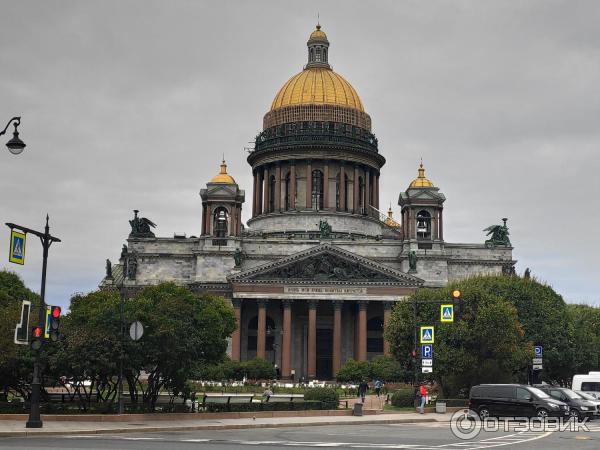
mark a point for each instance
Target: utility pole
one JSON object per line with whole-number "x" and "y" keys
{"x": 34, "y": 420}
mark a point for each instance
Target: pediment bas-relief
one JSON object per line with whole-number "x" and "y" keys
{"x": 324, "y": 268}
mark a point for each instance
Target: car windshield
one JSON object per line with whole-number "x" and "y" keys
{"x": 587, "y": 396}
{"x": 571, "y": 394}
{"x": 538, "y": 392}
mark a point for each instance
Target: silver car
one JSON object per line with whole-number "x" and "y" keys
{"x": 592, "y": 399}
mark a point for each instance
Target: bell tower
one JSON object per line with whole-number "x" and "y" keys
{"x": 222, "y": 206}
{"x": 422, "y": 206}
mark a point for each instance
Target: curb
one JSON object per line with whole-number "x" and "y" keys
{"x": 210, "y": 427}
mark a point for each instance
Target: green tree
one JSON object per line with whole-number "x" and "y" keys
{"x": 543, "y": 315}
{"x": 485, "y": 343}
{"x": 181, "y": 330}
{"x": 15, "y": 360}
{"x": 585, "y": 320}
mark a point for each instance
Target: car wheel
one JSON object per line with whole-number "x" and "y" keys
{"x": 542, "y": 413}
{"x": 484, "y": 413}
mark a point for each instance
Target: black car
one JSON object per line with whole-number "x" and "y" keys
{"x": 514, "y": 400}
{"x": 579, "y": 406}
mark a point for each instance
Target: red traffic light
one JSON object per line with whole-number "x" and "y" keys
{"x": 56, "y": 312}
{"x": 37, "y": 332}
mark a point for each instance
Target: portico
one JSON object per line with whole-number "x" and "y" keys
{"x": 312, "y": 311}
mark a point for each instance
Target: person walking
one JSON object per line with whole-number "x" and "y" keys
{"x": 378, "y": 385}
{"x": 362, "y": 390}
{"x": 423, "y": 395}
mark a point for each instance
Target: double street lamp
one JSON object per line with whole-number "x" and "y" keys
{"x": 15, "y": 145}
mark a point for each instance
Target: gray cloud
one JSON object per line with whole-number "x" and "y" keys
{"x": 129, "y": 104}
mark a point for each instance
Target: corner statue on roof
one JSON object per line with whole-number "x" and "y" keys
{"x": 499, "y": 235}
{"x": 140, "y": 226}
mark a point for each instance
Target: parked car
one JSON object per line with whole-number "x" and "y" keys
{"x": 514, "y": 400}
{"x": 590, "y": 398}
{"x": 589, "y": 383}
{"x": 578, "y": 406}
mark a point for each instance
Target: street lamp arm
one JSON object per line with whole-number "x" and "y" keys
{"x": 29, "y": 230}
{"x": 16, "y": 119}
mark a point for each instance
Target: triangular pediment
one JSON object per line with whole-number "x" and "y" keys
{"x": 221, "y": 189}
{"x": 326, "y": 264}
{"x": 425, "y": 194}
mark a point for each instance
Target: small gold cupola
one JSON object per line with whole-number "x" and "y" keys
{"x": 223, "y": 176}
{"x": 389, "y": 221}
{"x": 421, "y": 181}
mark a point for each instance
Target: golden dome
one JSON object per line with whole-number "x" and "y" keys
{"x": 389, "y": 221}
{"x": 421, "y": 181}
{"x": 318, "y": 34}
{"x": 223, "y": 176}
{"x": 317, "y": 86}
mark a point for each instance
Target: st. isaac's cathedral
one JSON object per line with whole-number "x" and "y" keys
{"x": 314, "y": 274}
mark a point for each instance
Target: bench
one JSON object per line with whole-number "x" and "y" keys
{"x": 227, "y": 399}
{"x": 284, "y": 398}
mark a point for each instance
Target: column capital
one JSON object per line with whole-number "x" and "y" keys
{"x": 262, "y": 303}
{"x": 312, "y": 304}
{"x": 363, "y": 304}
{"x": 236, "y": 302}
{"x": 388, "y": 305}
{"x": 337, "y": 304}
{"x": 287, "y": 303}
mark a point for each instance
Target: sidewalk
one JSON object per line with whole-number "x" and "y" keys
{"x": 17, "y": 427}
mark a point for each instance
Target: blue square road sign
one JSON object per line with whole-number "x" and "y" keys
{"x": 426, "y": 351}
{"x": 538, "y": 351}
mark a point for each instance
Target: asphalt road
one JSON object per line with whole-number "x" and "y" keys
{"x": 400, "y": 436}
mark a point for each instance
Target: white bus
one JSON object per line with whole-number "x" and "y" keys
{"x": 589, "y": 383}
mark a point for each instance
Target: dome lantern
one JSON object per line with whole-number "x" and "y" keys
{"x": 421, "y": 181}
{"x": 318, "y": 49}
{"x": 223, "y": 176}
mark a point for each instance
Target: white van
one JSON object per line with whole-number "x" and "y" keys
{"x": 589, "y": 383}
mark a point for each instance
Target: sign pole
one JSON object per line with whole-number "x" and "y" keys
{"x": 34, "y": 420}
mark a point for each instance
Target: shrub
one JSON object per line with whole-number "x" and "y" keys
{"x": 403, "y": 398}
{"x": 322, "y": 394}
{"x": 354, "y": 371}
{"x": 259, "y": 369}
{"x": 387, "y": 369}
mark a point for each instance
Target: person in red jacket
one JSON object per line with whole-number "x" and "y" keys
{"x": 423, "y": 394}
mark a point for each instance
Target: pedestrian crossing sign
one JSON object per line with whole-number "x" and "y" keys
{"x": 447, "y": 313}
{"x": 17, "y": 247}
{"x": 427, "y": 335}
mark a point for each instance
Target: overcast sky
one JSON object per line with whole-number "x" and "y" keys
{"x": 130, "y": 104}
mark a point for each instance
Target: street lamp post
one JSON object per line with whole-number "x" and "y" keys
{"x": 15, "y": 145}
{"x": 121, "y": 406}
{"x": 34, "y": 420}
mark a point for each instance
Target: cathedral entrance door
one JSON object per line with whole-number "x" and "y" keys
{"x": 324, "y": 354}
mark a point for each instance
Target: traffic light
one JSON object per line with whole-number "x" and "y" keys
{"x": 37, "y": 337}
{"x": 54, "y": 322}
{"x": 456, "y": 297}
